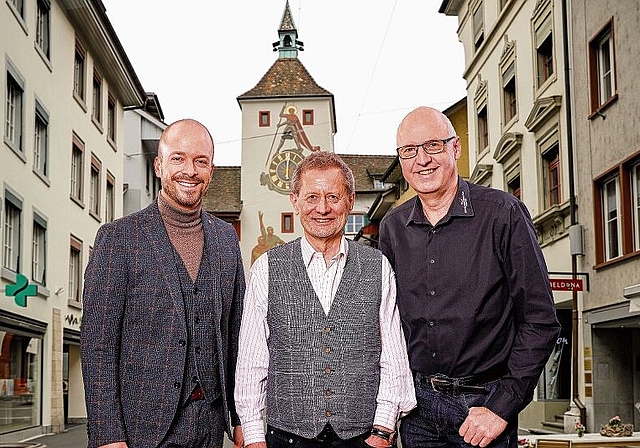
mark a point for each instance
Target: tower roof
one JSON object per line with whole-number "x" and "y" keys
{"x": 286, "y": 78}
{"x": 286, "y": 24}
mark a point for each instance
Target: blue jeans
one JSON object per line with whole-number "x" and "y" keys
{"x": 439, "y": 415}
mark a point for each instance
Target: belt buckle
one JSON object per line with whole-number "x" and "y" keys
{"x": 439, "y": 384}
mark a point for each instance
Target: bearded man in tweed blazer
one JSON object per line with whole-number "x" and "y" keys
{"x": 162, "y": 307}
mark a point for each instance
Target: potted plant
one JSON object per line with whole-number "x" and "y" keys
{"x": 580, "y": 429}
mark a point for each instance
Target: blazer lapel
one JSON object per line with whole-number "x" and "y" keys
{"x": 160, "y": 243}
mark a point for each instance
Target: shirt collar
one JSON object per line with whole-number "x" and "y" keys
{"x": 461, "y": 206}
{"x": 308, "y": 252}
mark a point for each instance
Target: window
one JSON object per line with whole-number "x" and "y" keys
{"x": 545, "y": 60}
{"x": 111, "y": 120}
{"x": 77, "y": 169}
{"x": 79, "y": 73}
{"x": 551, "y": 176}
{"x": 75, "y": 269}
{"x": 478, "y": 24}
{"x": 264, "y": 118}
{"x": 110, "y": 206}
{"x": 13, "y": 111}
{"x": 21, "y": 386}
{"x": 42, "y": 26}
{"x": 483, "y": 129}
{"x": 41, "y": 141}
{"x": 602, "y": 79}
{"x": 96, "y": 113}
{"x": 513, "y": 186}
{"x": 635, "y": 204}
{"x": 94, "y": 188}
{"x": 354, "y": 223}
{"x": 542, "y": 22}
{"x": 617, "y": 211}
{"x": 610, "y": 208}
{"x": 12, "y": 232}
{"x": 18, "y": 5}
{"x": 39, "y": 250}
{"x": 287, "y": 222}
{"x": 510, "y": 106}
{"x": 307, "y": 117}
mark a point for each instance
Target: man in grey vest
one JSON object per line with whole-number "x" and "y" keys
{"x": 321, "y": 345}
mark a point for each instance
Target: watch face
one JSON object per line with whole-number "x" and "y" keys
{"x": 281, "y": 170}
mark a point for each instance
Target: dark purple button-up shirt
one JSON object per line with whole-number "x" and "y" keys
{"x": 473, "y": 291}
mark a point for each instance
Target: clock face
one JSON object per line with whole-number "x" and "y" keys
{"x": 281, "y": 170}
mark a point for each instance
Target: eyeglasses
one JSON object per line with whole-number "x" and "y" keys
{"x": 430, "y": 147}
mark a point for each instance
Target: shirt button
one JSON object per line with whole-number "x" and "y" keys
{"x": 177, "y": 385}
{"x": 432, "y": 293}
{"x": 182, "y": 342}
{"x": 432, "y": 261}
{"x": 327, "y": 370}
{"x": 433, "y": 355}
{"x": 431, "y": 323}
{"x": 327, "y": 349}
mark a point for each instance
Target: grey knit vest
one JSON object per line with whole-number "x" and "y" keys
{"x": 323, "y": 368}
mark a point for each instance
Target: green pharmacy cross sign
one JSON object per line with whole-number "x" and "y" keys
{"x": 21, "y": 290}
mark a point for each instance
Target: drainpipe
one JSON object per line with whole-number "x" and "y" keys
{"x": 573, "y": 216}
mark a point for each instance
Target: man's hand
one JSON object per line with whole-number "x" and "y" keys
{"x": 481, "y": 427}
{"x": 238, "y": 440}
{"x": 115, "y": 445}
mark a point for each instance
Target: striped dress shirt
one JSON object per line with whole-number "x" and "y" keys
{"x": 396, "y": 393}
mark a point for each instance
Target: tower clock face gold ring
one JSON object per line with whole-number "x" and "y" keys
{"x": 281, "y": 170}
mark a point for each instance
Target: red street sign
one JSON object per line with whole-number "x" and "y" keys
{"x": 566, "y": 284}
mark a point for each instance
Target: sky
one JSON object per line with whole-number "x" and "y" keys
{"x": 379, "y": 59}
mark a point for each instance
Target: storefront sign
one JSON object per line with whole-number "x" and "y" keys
{"x": 21, "y": 290}
{"x": 566, "y": 284}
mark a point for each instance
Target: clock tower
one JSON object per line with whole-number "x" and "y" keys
{"x": 285, "y": 117}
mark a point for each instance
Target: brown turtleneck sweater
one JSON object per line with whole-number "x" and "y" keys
{"x": 185, "y": 232}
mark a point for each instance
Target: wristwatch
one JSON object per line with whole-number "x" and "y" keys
{"x": 386, "y": 435}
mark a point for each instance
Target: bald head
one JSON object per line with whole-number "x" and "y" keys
{"x": 180, "y": 131}
{"x": 423, "y": 119}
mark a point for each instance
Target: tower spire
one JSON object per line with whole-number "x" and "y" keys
{"x": 288, "y": 43}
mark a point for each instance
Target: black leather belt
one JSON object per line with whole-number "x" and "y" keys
{"x": 471, "y": 384}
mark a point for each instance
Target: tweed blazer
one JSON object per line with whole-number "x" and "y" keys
{"x": 134, "y": 328}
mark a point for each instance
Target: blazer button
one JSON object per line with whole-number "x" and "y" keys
{"x": 327, "y": 413}
{"x": 177, "y": 385}
{"x": 182, "y": 342}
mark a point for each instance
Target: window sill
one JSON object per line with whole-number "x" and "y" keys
{"x": 74, "y": 304}
{"x": 97, "y": 124}
{"x": 43, "y": 177}
{"x": 15, "y": 150}
{"x": 615, "y": 261}
{"x": 603, "y": 107}
{"x": 43, "y": 56}
{"x": 80, "y": 101}
{"x": 95, "y": 216}
{"x": 77, "y": 201}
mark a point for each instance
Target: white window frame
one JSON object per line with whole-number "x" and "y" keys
{"x": 77, "y": 170}
{"x": 14, "y": 110}
{"x": 39, "y": 250}
{"x": 11, "y": 249}
{"x": 75, "y": 270}
{"x": 612, "y": 226}
{"x": 355, "y": 222}
{"x": 41, "y": 141}
{"x": 43, "y": 27}
{"x": 635, "y": 203}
